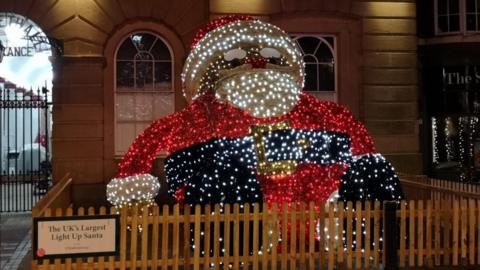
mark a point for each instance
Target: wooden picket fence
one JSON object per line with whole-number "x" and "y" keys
{"x": 430, "y": 233}
{"x": 421, "y": 187}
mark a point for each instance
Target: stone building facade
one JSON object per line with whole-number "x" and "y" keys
{"x": 375, "y": 59}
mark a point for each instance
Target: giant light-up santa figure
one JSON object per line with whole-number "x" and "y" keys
{"x": 249, "y": 133}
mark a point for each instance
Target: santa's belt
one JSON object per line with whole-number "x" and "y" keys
{"x": 279, "y": 149}
{"x": 270, "y": 149}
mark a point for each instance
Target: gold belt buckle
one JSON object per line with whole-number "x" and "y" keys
{"x": 265, "y": 167}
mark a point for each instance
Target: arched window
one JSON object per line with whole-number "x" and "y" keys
{"x": 144, "y": 86}
{"x": 319, "y": 55}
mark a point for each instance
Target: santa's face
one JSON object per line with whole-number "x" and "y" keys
{"x": 257, "y": 80}
{"x": 251, "y": 65}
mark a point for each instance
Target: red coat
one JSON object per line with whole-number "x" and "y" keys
{"x": 206, "y": 118}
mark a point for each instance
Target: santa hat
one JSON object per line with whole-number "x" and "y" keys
{"x": 217, "y": 23}
{"x": 231, "y": 32}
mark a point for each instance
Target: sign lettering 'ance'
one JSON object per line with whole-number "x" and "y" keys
{"x": 21, "y": 36}
{"x": 19, "y": 51}
{"x": 56, "y": 237}
{"x": 26, "y": 59}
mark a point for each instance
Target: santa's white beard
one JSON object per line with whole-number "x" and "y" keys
{"x": 261, "y": 92}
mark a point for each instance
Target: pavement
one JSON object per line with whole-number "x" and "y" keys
{"x": 15, "y": 240}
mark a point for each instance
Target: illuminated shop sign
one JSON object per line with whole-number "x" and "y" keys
{"x": 458, "y": 78}
{"x": 461, "y": 75}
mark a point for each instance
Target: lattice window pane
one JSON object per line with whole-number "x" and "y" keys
{"x": 471, "y": 22}
{"x": 143, "y": 75}
{"x": 324, "y": 54}
{"x": 126, "y": 51}
{"x": 454, "y": 21}
{"x": 472, "y": 9}
{"x": 326, "y": 78}
{"x": 308, "y": 44}
{"x": 125, "y": 105}
{"x": 125, "y": 75}
{"x": 163, "y": 102}
{"x": 311, "y": 78}
{"x": 163, "y": 76}
{"x": 470, "y": 5}
{"x": 144, "y": 107}
{"x": 442, "y": 7}
{"x": 319, "y": 56}
{"x": 448, "y": 16}
{"x": 453, "y": 6}
{"x": 161, "y": 52}
{"x": 443, "y": 23}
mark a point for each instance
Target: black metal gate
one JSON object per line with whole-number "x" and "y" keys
{"x": 25, "y": 163}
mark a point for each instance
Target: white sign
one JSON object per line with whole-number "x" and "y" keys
{"x": 76, "y": 236}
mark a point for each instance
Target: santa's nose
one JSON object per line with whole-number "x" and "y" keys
{"x": 256, "y": 61}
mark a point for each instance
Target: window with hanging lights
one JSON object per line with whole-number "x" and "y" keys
{"x": 144, "y": 85}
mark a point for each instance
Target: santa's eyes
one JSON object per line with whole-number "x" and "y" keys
{"x": 269, "y": 53}
{"x": 234, "y": 54}
{"x": 239, "y": 53}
